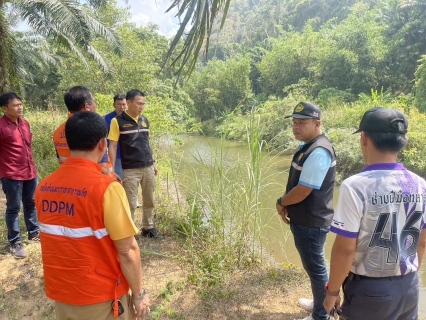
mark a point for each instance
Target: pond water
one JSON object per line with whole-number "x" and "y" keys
{"x": 276, "y": 237}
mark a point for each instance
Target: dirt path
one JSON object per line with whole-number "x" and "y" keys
{"x": 259, "y": 293}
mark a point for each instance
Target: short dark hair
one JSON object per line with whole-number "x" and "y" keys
{"x": 131, "y": 94}
{"x": 76, "y": 97}
{"x": 7, "y": 96}
{"x": 84, "y": 130}
{"x": 120, "y": 96}
{"x": 389, "y": 141}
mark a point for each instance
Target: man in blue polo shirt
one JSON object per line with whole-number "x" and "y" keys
{"x": 119, "y": 106}
{"x": 307, "y": 205}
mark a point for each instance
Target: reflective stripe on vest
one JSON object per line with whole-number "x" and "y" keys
{"x": 72, "y": 232}
{"x": 86, "y": 253}
{"x": 134, "y": 131}
{"x": 295, "y": 166}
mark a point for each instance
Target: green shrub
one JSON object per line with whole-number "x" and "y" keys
{"x": 420, "y": 87}
{"x": 43, "y": 124}
{"x": 332, "y": 96}
{"x": 104, "y": 103}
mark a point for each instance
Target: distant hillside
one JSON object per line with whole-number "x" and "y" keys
{"x": 252, "y": 21}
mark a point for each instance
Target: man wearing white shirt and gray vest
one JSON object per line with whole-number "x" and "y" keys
{"x": 131, "y": 129}
{"x": 307, "y": 205}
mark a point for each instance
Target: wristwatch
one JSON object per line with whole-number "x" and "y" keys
{"x": 139, "y": 297}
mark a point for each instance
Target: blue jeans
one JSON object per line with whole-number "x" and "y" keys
{"x": 118, "y": 168}
{"x": 309, "y": 243}
{"x": 17, "y": 191}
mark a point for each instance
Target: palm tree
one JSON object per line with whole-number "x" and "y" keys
{"x": 66, "y": 23}
{"x": 200, "y": 15}
{"x": 36, "y": 67}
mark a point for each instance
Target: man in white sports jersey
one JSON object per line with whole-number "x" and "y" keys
{"x": 380, "y": 222}
{"x": 307, "y": 205}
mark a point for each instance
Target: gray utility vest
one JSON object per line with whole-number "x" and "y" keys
{"x": 317, "y": 209}
{"x": 134, "y": 142}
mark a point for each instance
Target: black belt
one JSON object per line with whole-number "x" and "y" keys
{"x": 353, "y": 276}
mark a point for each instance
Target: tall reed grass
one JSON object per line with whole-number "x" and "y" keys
{"x": 221, "y": 221}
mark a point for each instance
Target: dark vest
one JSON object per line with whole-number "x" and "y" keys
{"x": 317, "y": 209}
{"x": 134, "y": 142}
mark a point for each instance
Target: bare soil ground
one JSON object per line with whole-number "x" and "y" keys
{"x": 261, "y": 292}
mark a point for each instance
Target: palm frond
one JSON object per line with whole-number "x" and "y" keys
{"x": 100, "y": 59}
{"x": 200, "y": 16}
{"x": 96, "y": 4}
{"x": 67, "y": 15}
{"x": 108, "y": 34}
{"x": 70, "y": 25}
{"x": 66, "y": 43}
{"x": 412, "y": 3}
{"x": 33, "y": 55}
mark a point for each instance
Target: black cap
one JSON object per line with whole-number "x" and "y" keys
{"x": 383, "y": 120}
{"x": 306, "y": 110}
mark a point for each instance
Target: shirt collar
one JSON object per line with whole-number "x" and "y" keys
{"x": 136, "y": 119}
{"x": 82, "y": 162}
{"x": 384, "y": 166}
{"x": 7, "y": 118}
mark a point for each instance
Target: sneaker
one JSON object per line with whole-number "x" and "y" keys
{"x": 306, "y": 304}
{"x": 151, "y": 233}
{"x": 138, "y": 205}
{"x": 18, "y": 250}
{"x": 35, "y": 237}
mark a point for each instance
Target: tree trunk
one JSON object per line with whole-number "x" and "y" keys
{"x": 3, "y": 48}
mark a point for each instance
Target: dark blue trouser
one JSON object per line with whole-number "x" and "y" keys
{"x": 309, "y": 243}
{"x": 118, "y": 168}
{"x": 390, "y": 298}
{"x": 18, "y": 191}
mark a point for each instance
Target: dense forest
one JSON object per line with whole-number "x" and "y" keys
{"x": 267, "y": 55}
{"x": 321, "y": 49}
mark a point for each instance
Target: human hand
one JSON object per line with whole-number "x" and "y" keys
{"x": 282, "y": 211}
{"x": 141, "y": 307}
{"x": 155, "y": 170}
{"x": 117, "y": 177}
{"x": 331, "y": 303}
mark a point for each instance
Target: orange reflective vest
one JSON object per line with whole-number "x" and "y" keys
{"x": 61, "y": 146}
{"x": 60, "y": 142}
{"x": 80, "y": 261}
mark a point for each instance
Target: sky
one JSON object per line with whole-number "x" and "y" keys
{"x": 144, "y": 11}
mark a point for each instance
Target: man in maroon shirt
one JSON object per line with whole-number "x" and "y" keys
{"x": 17, "y": 172}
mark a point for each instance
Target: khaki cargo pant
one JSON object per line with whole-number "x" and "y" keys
{"x": 145, "y": 177}
{"x": 98, "y": 311}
